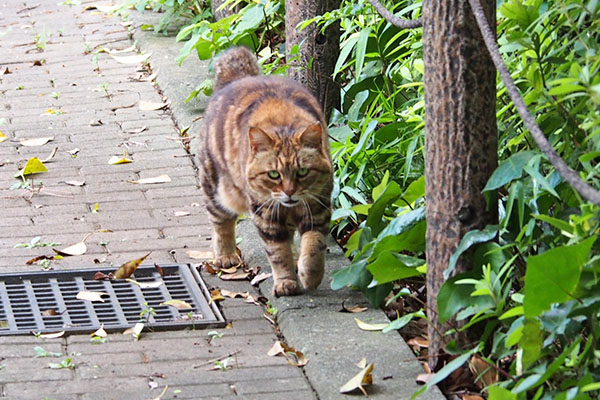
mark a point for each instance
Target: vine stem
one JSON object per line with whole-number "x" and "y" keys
{"x": 394, "y": 20}
{"x": 572, "y": 177}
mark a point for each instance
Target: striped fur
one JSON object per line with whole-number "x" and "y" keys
{"x": 264, "y": 151}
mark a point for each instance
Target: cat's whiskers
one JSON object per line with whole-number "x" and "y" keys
{"x": 315, "y": 198}
{"x": 308, "y": 211}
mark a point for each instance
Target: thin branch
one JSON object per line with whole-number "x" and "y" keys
{"x": 392, "y": 19}
{"x": 233, "y": 353}
{"x": 572, "y": 177}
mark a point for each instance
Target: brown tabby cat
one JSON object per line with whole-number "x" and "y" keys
{"x": 264, "y": 150}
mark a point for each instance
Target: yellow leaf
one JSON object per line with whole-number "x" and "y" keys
{"x": 114, "y": 160}
{"x": 157, "y": 179}
{"x": 364, "y": 377}
{"x": 36, "y": 141}
{"x": 369, "y": 327}
{"x": 2, "y": 137}
{"x": 33, "y": 166}
{"x": 91, "y": 296}
{"x": 215, "y": 295}
{"x": 179, "y": 304}
{"x": 129, "y": 267}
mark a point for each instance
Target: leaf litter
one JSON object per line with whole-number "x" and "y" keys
{"x": 127, "y": 269}
{"x": 294, "y": 357}
{"x": 361, "y": 379}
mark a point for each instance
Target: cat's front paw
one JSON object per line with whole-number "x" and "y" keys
{"x": 226, "y": 261}
{"x": 286, "y": 287}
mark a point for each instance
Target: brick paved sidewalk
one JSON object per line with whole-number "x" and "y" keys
{"x": 51, "y": 85}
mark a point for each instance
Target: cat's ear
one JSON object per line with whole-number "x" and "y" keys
{"x": 259, "y": 140}
{"x": 311, "y": 136}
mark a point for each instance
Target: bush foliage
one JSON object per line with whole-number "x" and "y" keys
{"x": 534, "y": 290}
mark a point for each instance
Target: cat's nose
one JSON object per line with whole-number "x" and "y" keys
{"x": 289, "y": 192}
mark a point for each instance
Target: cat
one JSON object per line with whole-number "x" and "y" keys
{"x": 265, "y": 152}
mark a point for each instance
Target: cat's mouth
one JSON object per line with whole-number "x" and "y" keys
{"x": 289, "y": 203}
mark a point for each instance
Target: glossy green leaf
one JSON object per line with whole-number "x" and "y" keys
{"x": 499, "y": 393}
{"x": 552, "y": 277}
{"x": 389, "y": 267}
{"x": 472, "y": 237}
{"x": 509, "y": 170}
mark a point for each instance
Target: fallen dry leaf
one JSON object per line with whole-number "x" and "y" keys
{"x": 157, "y": 179}
{"x": 100, "y": 276}
{"x": 100, "y": 332}
{"x": 293, "y": 356}
{"x": 369, "y": 327}
{"x": 160, "y": 269}
{"x": 53, "y": 335}
{"x": 200, "y": 255}
{"x": 181, "y": 213}
{"x": 77, "y": 249}
{"x": 230, "y": 270}
{"x": 115, "y": 51}
{"x": 362, "y": 363}
{"x": 260, "y": 277}
{"x": 136, "y": 330}
{"x": 138, "y": 58}
{"x": 238, "y": 276}
{"x": 51, "y": 156}
{"x": 129, "y": 267}
{"x": 151, "y": 106}
{"x": 215, "y": 295}
{"x": 354, "y": 309}
{"x": 74, "y": 183}
{"x": 149, "y": 78}
{"x": 145, "y": 285}
{"x": 2, "y": 137}
{"x": 36, "y": 141}
{"x": 472, "y": 397}
{"x": 136, "y": 130}
{"x": 178, "y": 304}
{"x": 5, "y": 71}
{"x": 419, "y": 342}
{"x": 49, "y": 313}
{"x": 364, "y": 377}
{"x": 38, "y": 258}
{"x": 484, "y": 373}
{"x": 233, "y": 295}
{"x": 423, "y": 378}
{"x": 115, "y": 160}
{"x": 91, "y": 296}
{"x": 74, "y": 151}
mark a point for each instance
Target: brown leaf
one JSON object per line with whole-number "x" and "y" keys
{"x": 5, "y": 71}
{"x": 232, "y": 295}
{"x": 160, "y": 269}
{"x": 230, "y": 270}
{"x": 485, "y": 375}
{"x": 178, "y": 304}
{"x": 472, "y": 397}
{"x": 49, "y": 313}
{"x": 151, "y": 106}
{"x": 419, "y": 342}
{"x": 260, "y": 277}
{"x": 354, "y": 309}
{"x": 38, "y": 258}
{"x": 293, "y": 357}
{"x": 98, "y": 276}
{"x": 364, "y": 377}
{"x": 209, "y": 268}
{"x": 129, "y": 267}
{"x": 91, "y": 296}
{"x": 239, "y": 276}
{"x": 51, "y": 156}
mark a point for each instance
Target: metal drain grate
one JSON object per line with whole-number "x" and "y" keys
{"x": 24, "y": 297}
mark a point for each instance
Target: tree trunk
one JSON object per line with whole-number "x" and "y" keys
{"x": 460, "y": 139}
{"x": 318, "y": 52}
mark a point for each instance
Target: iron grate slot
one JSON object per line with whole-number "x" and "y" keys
{"x": 47, "y": 301}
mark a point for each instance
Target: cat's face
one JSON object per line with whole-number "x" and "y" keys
{"x": 288, "y": 168}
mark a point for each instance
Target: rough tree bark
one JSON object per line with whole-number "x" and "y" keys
{"x": 460, "y": 138}
{"x": 318, "y": 52}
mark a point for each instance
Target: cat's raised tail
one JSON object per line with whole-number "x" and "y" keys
{"x": 233, "y": 64}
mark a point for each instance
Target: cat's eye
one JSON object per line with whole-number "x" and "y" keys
{"x": 302, "y": 172}
{"x": 273, "y": 174}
